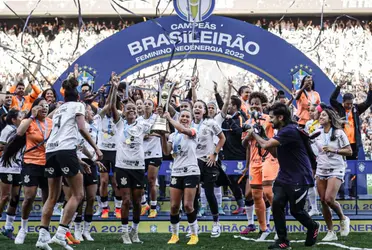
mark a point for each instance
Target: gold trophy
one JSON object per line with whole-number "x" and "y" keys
{"x": 161, "y": 125}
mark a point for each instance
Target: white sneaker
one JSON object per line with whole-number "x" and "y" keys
{"x": 87, "y": 236}
{"x": 264, "y": 234}
{"x": 60, "y": 240}
{"x": 43, "y": 245}
{"x": 21, "y": 236}
{"x": 126, "y": 238}
{"x": 331, "y": 236}
{"x": 78, "y": 235}
{"x": 98, "y": 212}
{"x": 134, "y": 236}
{"x": 345, "y": 227}
{"x": 313, "y": 212}
{"x": 216, "y": 230}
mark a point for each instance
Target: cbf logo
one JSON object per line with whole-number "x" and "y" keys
{"x": 298, "y": 73}
{"x": 194, "y": 10}
{"x": 86, "y": 75}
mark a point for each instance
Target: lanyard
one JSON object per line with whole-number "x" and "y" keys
{"x": 347, "y": 115}
{"x": 126, "y": 127}
{"x": 312, "y": 98}
{"x": 194, "y": 125}
{"x": 177, "y": 141}
{"x": 327, "y": 137}
{"x": 20, "y": 103}
{"x": 6, "y": 111}
{"x": 41, "y": 130}
{"x": 109, "y": 126}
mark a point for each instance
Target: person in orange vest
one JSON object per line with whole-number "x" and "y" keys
{"x": 19, "y": 100}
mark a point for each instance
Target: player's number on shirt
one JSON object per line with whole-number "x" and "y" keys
{"x": 57, "y": 124}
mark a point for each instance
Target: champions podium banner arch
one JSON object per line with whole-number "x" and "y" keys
{"x": 218, "y": 39}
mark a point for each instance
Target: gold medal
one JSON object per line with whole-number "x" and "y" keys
{"x": 127, "y": 141}
{"x": 105, "y": 135}
{"x": 174, "y": 156}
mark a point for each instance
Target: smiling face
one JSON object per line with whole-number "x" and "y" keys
{"x": 199, "y": 111}
{"x": 49, "y": 96}
{"x": 185, "y": 118}
{"x": 130, "y": 111}
{"x": 256, "y": 104}
{"x": 8, "y": 100}
{"x": 324, "y": 119}
{"x": 140, "y": 106}
{"x": 314, "y": 114}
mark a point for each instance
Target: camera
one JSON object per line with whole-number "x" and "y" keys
{"x": 246, "y": 127}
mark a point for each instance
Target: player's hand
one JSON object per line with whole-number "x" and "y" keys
{"x": 86, "y": 167}
{"x": 167, "y": 116}
{"x": 329, "y": 149}
{"x": 211, "y": 160}
{"x": 35, "y": 110}
{"x": 100, "y": 166}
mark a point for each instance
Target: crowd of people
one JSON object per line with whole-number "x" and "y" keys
{"x": 64, "y": 145}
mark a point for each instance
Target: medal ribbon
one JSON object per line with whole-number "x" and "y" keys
{"x": 45, "y": 132}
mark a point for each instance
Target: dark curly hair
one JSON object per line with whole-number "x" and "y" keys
{"x": 205, "y": 115}
{"x": 258, "y": 95}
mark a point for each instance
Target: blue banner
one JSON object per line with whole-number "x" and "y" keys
{"x": 218, "y": 39}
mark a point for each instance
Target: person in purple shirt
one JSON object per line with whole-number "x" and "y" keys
{"x": 294, "y": 178}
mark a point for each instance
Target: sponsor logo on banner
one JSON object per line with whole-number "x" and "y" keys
{"x": 298, "y": 73}
{"x": 86, "y": 75}
{"x": 361, "y": 166}
{"x": 205, "y": 227}
{"x": 194, "y": 10}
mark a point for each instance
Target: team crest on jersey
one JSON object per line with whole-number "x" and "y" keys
{"x": 194, "y": 10}
{"x": 86, "y": 75}
{"x": 174, "y": 181}
{"x": 10, "y": 177}
{"x": 26, "y": 179}
{"x": 298, "y": 73}
{"x": 123, "y": 181}
{"x": 65, "y": 170}
{"x": 49, "y": 170}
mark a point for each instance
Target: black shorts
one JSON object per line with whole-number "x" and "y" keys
{"x": 34, "y": 176}
{"x": 62, "y": 163}
{"x": 90, "y": 179}
{"x": 156, "y": 162}
{"x": 208, "y": 174}
{"x": 182, "y": 182}
{"x": 108, "y": 160}
{"x": 11, "y": 179}
{"x": 130, "y": 178}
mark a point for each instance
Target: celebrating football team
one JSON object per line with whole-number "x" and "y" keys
{"x": 81, "y": 145}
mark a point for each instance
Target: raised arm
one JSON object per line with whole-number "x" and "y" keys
{"x": 112, "y": 100}
{"x": 227, "y": 99}
{"x": 362, "y": 107}
{"x": 166, "y": 146}
{"x": 194, "y": 81}
{"x": 80, "y": 120}
{"x": 180, "y": 128}
{"x": 25, "y": 124}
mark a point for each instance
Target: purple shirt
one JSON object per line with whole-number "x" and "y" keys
{"x": 295, "y": 168}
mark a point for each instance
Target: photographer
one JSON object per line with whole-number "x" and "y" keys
{"x": 294, "y": 178}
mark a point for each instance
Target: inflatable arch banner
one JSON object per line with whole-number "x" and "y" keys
{"x": 218, "y": 39}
